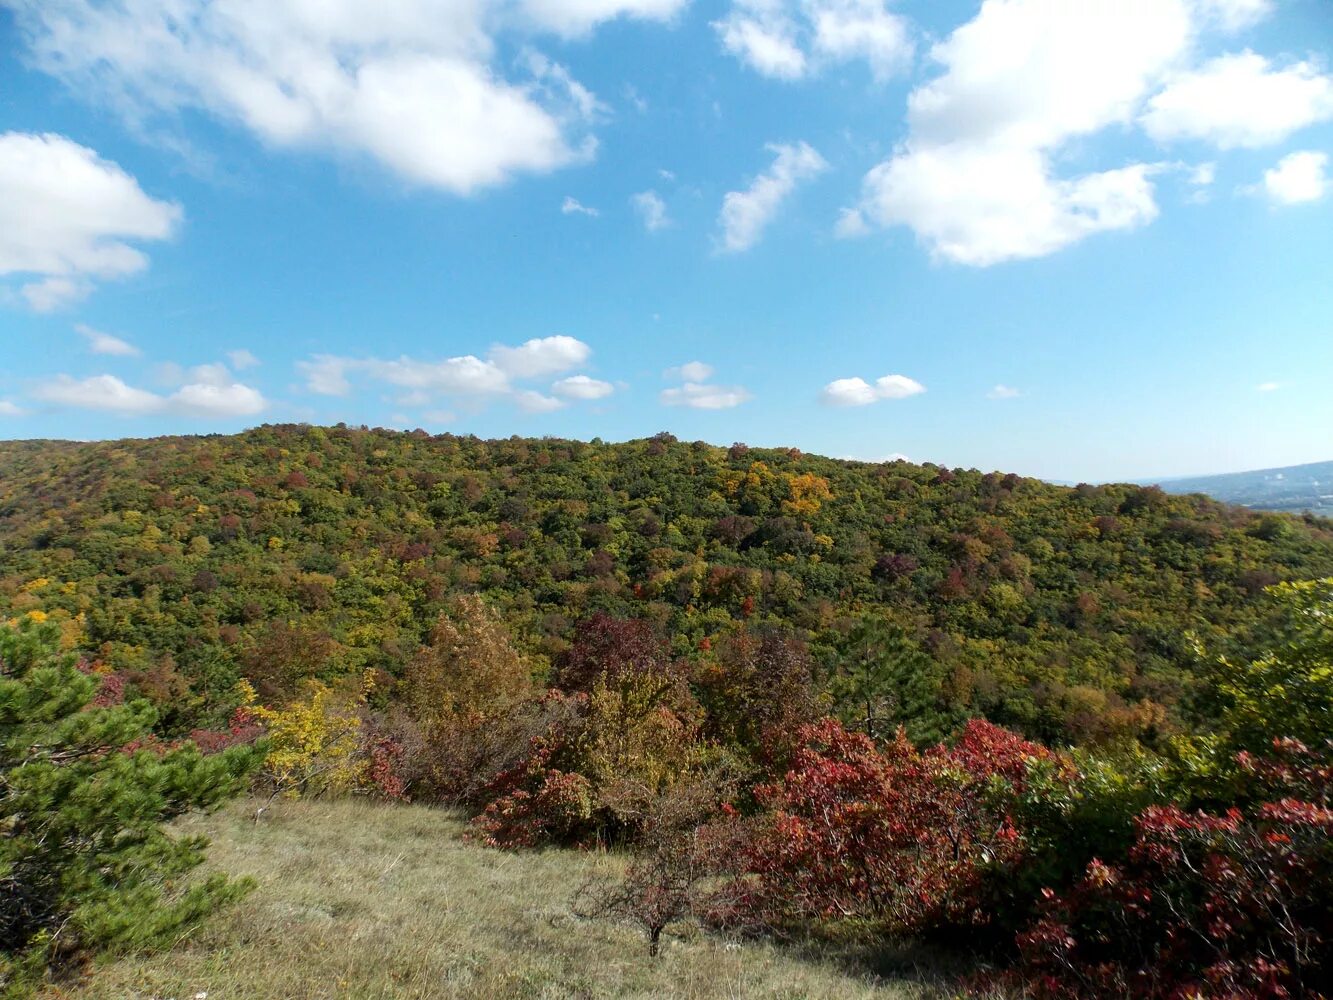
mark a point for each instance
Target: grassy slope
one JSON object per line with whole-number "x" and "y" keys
{"x": 363, "y": 902}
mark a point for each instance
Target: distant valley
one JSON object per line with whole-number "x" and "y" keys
{"x": 1294, "y": 488}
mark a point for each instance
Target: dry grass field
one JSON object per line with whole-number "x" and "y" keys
{"x": 371, "y": 902}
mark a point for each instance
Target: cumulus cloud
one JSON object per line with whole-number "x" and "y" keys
{"x": 540, "y": 356}
{"x": 791, "y": 39}
{"x": 856, "y": 391}
{"x": 849, "y": 392}
{"x": 582, "y": 387}
{"x": 1003, "y": 391}
{"x": 698, "y": 393}
{"x": 68, "y": 218}
{"x": 100, "y": 392}
{"x": 652, "y": 210}
{"x": 1298, "y": 177}
{"x": 104, "y": 343}
{"x": 691, "y": 371}
{"x": 572, "y": 206}
{"x": 976, "y": 178}
{"x": 1239, "y": 100}
{"x": 10, "y": 409}
{"x": 109, "y": 394}
{"x": 701, "y": 396}
{"x": 745, "y": 214}
{"x": 531, "y": 401}
{"x": 416, "y": 85}
{"x": 465, "y": 378}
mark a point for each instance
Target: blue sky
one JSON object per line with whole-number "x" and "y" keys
{"x": 1083, "y": 241}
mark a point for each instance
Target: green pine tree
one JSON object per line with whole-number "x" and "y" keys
{"x": 883, "y": 680}
{"x": 87, "y": 862}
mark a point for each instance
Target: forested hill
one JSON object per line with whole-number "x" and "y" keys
{"x": 187, "y": 562}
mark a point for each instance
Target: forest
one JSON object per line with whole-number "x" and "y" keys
{"x": 1084, "y": 729}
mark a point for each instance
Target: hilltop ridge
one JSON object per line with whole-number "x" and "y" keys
{"x": 1063, "y": 612}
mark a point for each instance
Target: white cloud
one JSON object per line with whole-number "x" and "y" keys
{"x": 763, "y": 34}
{"x": 860, "y": 29}
{"x": 531, "y": 401}
{"x": 976, "y": 178}
{"x": 691, "y": 371}
{"x": 10, "y": 409}
{"x": 1203, "y": 174}
{"x": 242, "y": 359}
{"x": 1233, "y": 15}
{"x": 582, "y": 387}
{"x": 68, "y": 218}
{"x": 577, "y": 17}
{"x": 791, "y": 39}
{"x": 218, "y": 396}
{"x": 465, "y": 377}
{"x": 697, "y": 392}
{"x": 856, "y": 391}
{"x": 1298, "y": 177}
{"x": 217, "y": 400}
{"x": 746, "y": 213}
{"x": 572, "y": 206}
{"x": 104, "y": 343}
{"x": 540, "y": 356}
{"x": 700, "y": 396}
{"x": 1239, "y": 100}
{"x": 1268, "y": 386}
{"x": 100, "y": 392}
{"x": 851, "y": 224}
{"x": 418, "y": 85}
{"x": 326, "y": 374}
{"x": 849, "y": 392}
{"x": 897, "y": 387}
{"x": 1003, "y": 391}
{"x": 652, "y": 210}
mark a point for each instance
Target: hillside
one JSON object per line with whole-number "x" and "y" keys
{"x": 1293, "y": 488}
{"x": 187, "y": 562}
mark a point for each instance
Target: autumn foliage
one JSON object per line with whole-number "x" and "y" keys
{"x": 1234, "y": 904}
{"x": 896, "y": 836}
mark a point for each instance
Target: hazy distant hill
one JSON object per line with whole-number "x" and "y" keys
{"x": 1294, "y": 488}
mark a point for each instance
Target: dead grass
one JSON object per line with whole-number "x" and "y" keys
{"x": 369, "y": 902}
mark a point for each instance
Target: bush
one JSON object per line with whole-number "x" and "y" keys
{"x": 1237, "y": 904}
{"x": 903, "y": 839}
{"x": 86, "y": 862}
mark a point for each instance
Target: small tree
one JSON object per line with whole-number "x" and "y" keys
{"x": 684, "y": 863}
{"x": 86, "y": 862}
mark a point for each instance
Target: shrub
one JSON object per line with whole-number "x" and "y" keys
{"x": 86, "y": 862}
{"x": 900, "y": 838}
{"x": 315, "y": 745}
{"x": 1237, "y": 904}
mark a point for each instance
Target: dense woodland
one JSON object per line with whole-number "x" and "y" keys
{"x": 1069, "y": 615}
{"x": 1084, "y": 731}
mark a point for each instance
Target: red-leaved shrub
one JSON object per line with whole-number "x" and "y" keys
{"x": 1238, "y": 904}
{"x": 900, "y": 837}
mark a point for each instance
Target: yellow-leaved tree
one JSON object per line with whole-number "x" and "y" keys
{"x": 315, "y": 743}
